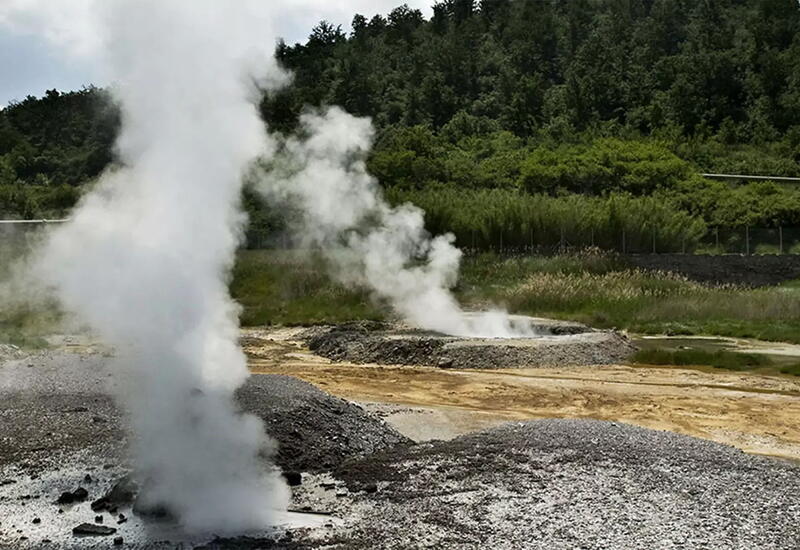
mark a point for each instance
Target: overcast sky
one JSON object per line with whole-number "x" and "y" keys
{"x": 42, "y": 45}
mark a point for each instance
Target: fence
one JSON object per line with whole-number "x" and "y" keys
{"x": 631, "y": 239}
{"x": 643, "y": 240}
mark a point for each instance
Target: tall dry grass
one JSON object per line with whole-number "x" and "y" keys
{"x": 605, "y": 293}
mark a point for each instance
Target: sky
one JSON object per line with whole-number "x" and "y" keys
{"x": 43, "y": 44}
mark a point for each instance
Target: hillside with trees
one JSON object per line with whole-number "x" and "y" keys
{"x": 527, "y": 106}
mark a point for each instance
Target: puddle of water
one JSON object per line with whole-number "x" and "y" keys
{"x": 780, "y": 353}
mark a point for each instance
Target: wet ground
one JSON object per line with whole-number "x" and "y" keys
{"x": 548, "y": 484}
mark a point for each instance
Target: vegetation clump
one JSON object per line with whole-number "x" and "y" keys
{"x": 553, "y": 105}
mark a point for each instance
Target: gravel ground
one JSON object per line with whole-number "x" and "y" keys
{"x": 565, "y": 345}
{"x": 53, "y": 404}
{"x": 315, "y": 430}
{"x": 550, "y": 484}
{"x": 556, "y": 484}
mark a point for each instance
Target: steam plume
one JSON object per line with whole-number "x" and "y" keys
{"x": 146, "y": 257}
{"x": 369, "y": 243}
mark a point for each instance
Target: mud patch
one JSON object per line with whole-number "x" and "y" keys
{"x": 558, "y": 344}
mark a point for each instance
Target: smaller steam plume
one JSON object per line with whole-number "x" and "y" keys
{"x": 368, "y": 242}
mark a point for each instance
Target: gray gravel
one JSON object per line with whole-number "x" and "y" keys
{"x": 556, "y": 484}
{"x": 560, "y": 345}
{"x": 315, "y": 430}
{"x": 54, "y": 403}
{"x": 551, "y": 484}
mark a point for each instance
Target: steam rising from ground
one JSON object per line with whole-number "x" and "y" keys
{"x": 369, "y": 243}
{"x": 146, "y": 257}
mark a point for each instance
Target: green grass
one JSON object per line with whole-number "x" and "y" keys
{"x": 727, "y": 360}
{"x": 26, "y": 327}
{"x": 692, "y": 357}
{"x": 794, "y": 370}
{"x": 601, "y": 292}
{"x": 284, "y": 288}
{"x": 276, "y": 287}
{"x": 22, "y": 323}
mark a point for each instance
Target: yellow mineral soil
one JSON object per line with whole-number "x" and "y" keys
{"x": 756, "y": 413}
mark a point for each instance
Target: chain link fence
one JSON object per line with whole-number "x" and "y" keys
{"x": 743, "y": 240}
{"x": 647, "y": 239}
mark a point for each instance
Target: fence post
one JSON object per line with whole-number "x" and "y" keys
{"x": 623, "y": 240}
{"x": 683, "y": 243}
{"x": 747, "y": 239}
{"x": 561, "y": 241}
{"x": 780, "y": 238}
{"x": 654, "y": 238}
{"x": 716, "y": 235}
{"x": 592, "y": 237}
{"x": 531, "y": 239}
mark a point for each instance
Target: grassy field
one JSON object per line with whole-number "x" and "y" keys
{"x": 284, "y": 288}
{"x": 602, "y": 292}
{"x": 721, "y": 359}
{"x": 280, "y": 288}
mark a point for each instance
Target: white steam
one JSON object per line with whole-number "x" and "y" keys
{"x": 371, "y": 244}
{"x": 146, "y": 257}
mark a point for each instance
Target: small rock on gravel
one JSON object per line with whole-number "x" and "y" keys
{"x": 293, "y": 479}
{"x": 91, "y": 529}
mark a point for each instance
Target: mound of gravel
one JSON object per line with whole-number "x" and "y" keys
{"x": 565, "y": 345}
{"x": 574, "y": 484}
{"x": 60, "y": 403}
{"x": 315, "y": 430}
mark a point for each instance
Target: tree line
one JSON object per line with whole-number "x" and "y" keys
{"x": 534, "y": 101}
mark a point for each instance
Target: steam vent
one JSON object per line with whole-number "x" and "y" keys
{"x": 547, "y": 343}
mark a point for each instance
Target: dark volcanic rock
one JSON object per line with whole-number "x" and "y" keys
{"x": 314, "y": 430}
{"x": 65, "y": 498}
{"x": 91, "y": 529}
{"x": 293, "y": 479}
{"x": 68, "y": 497}
{"x": 122, "y": 493}
{"x": 140, "y": 508}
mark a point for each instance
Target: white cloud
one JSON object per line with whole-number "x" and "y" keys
{"x": 65, "y": 24}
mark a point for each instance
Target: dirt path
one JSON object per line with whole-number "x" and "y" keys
{"x": 756, "y": 413}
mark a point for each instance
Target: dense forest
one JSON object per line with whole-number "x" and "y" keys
{"x": 521, "y": 103}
